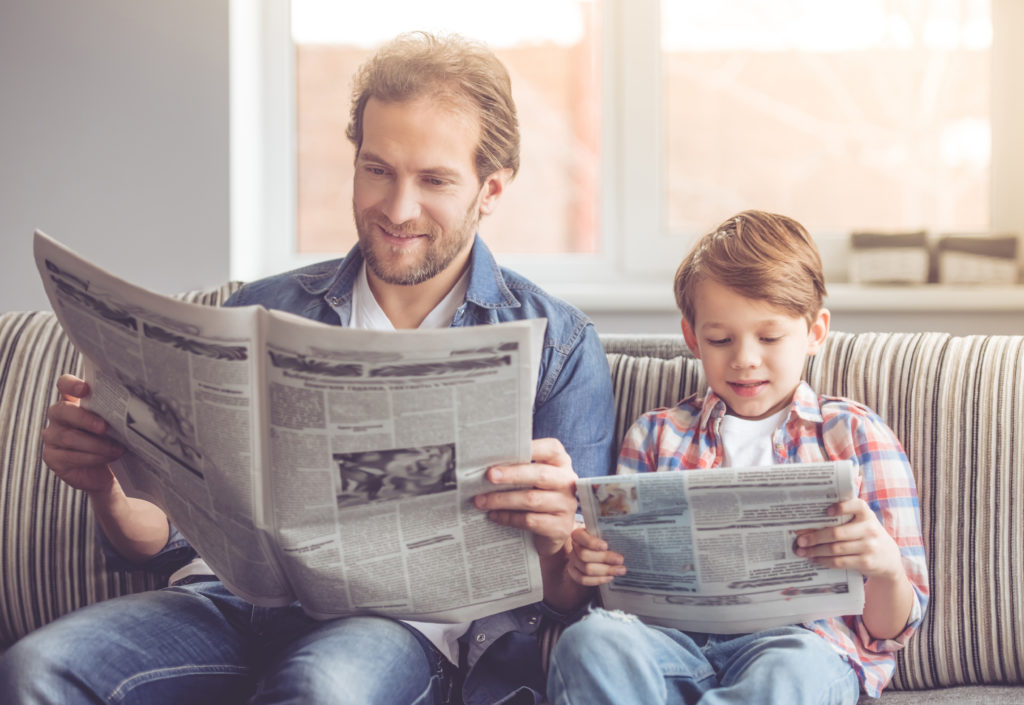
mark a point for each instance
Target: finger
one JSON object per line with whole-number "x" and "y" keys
{"x": 610, "y": 558}
{"x": 71, "y": 387}
{"x": 61, "y": 437}
{"x": 539, "y": 475}
{"x": 588, "y": 580}
{"x": 62, "y": 461}
{"x": 528, "y": 500}
{"x": 581, "y": 538}
{"x": 70, "y": 414}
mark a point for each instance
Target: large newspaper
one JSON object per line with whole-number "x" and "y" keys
{"x": 309, "y": 462}
{"x": 713, "y": 550}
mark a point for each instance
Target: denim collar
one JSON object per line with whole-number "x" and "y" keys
{"x": 336, "y": 279}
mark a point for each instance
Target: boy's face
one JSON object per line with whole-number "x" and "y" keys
{"x": 753, "y": 354}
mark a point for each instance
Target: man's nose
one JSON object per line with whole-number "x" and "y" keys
{"x": 402, "y": 203}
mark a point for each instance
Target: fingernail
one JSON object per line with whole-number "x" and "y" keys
{"x": 99, "y": 426}
{"x": 495, "y": 474}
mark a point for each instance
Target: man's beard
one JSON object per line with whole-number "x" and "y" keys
{"x": 440, "y": 251}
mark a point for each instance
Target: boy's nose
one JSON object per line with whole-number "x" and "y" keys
{"x": 747, "y": 355}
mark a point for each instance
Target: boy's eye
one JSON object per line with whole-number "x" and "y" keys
{"x": 766, "y": 339}
{"x": 718, "y": 341}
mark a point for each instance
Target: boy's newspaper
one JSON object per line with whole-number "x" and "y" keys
{"x": 712, "y": 550}
{"x": 309, "y": 462}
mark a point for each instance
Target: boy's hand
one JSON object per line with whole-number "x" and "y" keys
{"x": 591, "y": 563}
{"x": 862, "y": 543}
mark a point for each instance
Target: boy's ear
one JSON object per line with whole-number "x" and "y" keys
{"x": 691, "y": 339}
{"x": 818, "y": 331}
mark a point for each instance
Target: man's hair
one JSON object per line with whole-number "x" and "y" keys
{"x": 448, "y": 68}
{"x": 760, "y": 256}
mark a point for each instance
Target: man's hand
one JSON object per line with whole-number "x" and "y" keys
{"x": 591, "y": 563}
{"x": 78, "y": 452}
{"x": 74, "y": 444}
{"x": 547, "y": 507}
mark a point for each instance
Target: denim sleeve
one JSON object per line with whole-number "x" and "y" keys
{"x": 175, "y": 553}
{"x": 579, "y": 409}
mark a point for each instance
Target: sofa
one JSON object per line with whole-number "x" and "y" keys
{"x": 957, "y": 403}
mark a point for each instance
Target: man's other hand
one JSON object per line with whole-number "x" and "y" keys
{"x": 75, "y": 446}
{"x": 545, "y": 504}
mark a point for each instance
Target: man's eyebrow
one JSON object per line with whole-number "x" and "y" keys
{"x": 443, "y": 171}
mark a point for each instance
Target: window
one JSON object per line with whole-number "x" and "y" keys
{"x": 645, "y": 123}
{"x": 553, "y": 66}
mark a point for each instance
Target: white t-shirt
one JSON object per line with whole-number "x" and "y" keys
{"x": 368, "y": 315}
{"x": 748, "y": 443}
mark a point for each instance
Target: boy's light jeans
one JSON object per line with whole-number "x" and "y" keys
{"x": 200, "y": 644}
{"x": 612, "y": 658}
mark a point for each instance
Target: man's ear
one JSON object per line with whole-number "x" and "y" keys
{"x": 691, "y": 339}
{"x": 492, "y": 188}
{"x": 818, "y": 331}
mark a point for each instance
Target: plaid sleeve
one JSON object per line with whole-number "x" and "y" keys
{"x": 888, "y": 487}
{"x": 639, "y": 452}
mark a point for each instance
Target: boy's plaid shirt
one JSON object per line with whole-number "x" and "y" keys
{"x": 817, "y": 429}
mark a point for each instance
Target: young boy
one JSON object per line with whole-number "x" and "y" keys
{"x": 751, "y": 297}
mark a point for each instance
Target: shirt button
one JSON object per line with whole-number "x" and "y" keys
{"x": 481, "y": 638}
{"x": 334, "y": 300}
{"x": 532, "y": 620}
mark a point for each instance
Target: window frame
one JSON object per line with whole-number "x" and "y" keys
{"x": 634, "y": 266}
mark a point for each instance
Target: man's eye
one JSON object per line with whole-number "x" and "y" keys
{"x": 434, "y": 181}
{"x": 376, "y": 170}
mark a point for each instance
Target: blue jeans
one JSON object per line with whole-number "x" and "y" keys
{"x": 200, "y": 644}
{"x": 613, "y": 658}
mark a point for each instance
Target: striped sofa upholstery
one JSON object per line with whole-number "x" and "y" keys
{"x": 956, "y": 402}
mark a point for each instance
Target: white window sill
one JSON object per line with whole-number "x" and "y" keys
{"x": 843, "y": 297}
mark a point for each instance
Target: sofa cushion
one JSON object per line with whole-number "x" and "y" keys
{"x": 956, "y": 403}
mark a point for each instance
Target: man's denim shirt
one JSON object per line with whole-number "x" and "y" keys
{"x": 573, "y": 404}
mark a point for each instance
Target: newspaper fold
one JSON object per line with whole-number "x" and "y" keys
{"x": 712, "y": 550}
{"x": 311, "y": 462}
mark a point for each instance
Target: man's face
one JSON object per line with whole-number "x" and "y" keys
{"x": 417, "y": 198}
{"x": 753, "y": 353}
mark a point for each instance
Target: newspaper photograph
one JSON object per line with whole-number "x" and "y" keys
{"x": 713, "y": 550}
{"x": 310, "y": 462}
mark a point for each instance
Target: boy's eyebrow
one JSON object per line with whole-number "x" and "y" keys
{"x": 444, "y": 171}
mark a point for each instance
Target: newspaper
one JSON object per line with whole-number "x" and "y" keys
{"x": 712, "y": 550}
{"x": 309, "y": 462}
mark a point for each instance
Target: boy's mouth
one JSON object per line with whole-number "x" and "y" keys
{"x": 747, "y": 389}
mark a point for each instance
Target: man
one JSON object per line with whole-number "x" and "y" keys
{"x": 436, "y": 139}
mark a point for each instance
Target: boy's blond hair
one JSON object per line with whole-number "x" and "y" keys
{"x": 760, "y": 256}
{"x": 463, "y": 73}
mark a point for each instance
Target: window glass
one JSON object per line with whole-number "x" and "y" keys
{"x": 551, "y": 48}
{"x": 845, "y": 115}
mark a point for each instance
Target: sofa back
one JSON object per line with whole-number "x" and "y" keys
{"x": 957, "y": 404}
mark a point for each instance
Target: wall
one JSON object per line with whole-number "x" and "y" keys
{"x": 114, "y": 140}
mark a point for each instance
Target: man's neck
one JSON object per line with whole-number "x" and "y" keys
{"x": 406, "y": 306}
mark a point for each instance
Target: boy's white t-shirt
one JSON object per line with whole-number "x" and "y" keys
{"x": 748, "y": 443}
